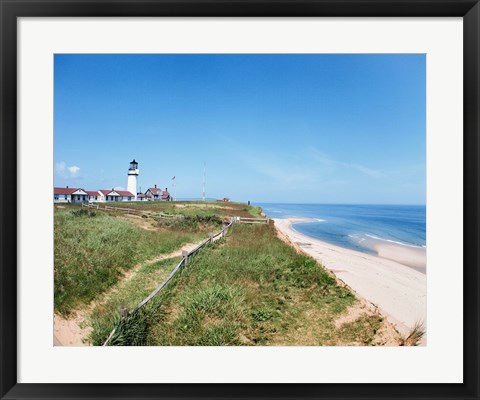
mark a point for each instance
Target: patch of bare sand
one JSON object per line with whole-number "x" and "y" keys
{"x": 413, "y": 257}
{"x": 74, "y": 330}
{"x": 143, "y": 223}
{"x": 351, "y": 314}
{"x": 71, "y": 331}
{"x": 387, "y": 335}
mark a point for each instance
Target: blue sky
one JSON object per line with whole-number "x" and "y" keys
{"x": 271, "y": 128}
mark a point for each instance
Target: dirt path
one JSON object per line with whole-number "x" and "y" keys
{"x": 74, "y": 330}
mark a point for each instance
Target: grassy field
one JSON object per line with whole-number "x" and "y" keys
{"x": 249, "y": 288}
{"x": 194, "y": 208}
{"x": 93, "y": 249}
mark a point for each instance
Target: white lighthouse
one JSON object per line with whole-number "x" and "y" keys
{"x": 132, "y": 178}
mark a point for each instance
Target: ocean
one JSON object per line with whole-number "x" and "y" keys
{"x": 357, "y": 226}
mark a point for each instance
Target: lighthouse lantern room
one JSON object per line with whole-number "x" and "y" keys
{"x": 132, "y": 178}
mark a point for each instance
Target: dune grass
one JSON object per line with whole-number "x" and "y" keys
{"x": 247, "y": 289}
{"x": 106, "y": 315}
{"x": 415, "y": 336}
{"x": 93, "y": 249}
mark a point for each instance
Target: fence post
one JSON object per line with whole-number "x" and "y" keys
{"x": 211, "y": 238}
{"x": 185, "y": 256}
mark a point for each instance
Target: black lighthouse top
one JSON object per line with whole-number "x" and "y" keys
{"x": 133, "y": 165}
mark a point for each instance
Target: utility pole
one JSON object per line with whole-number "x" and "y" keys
{"x": 204, "y": 178}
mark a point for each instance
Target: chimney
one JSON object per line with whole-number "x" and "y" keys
{"x": 166, "y": 189}
{"x": 67, "y": 187}
{"x": 155, "y": 186}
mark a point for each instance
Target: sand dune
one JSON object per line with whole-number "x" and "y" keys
{"x": 397, "y": 290}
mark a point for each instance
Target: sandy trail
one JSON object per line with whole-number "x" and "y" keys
{"x": 74, "y": 330}
{"x": 398, "y": 291}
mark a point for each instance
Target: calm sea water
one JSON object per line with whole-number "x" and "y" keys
{"x": 350, "y": 225}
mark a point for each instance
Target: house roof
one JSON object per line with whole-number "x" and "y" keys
{"x": 141, "y": 195}
{"x": 69, "y": 191}
{"x": 57, "y": 190}
{"x": 154, "y": 190}
{"x": 108, "y": 192}
{"x": 165, "y": 194}
{"x": 125, "y": 193}
{"x": 92, "y": 193}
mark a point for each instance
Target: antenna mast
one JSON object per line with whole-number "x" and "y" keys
{"x": 204, "y": 178}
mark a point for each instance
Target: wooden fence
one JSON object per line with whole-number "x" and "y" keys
{"x": 185, "y": 254}
{"x": 129, "y": 211}
{"x": 183, "y": 261}
{"x": 243, "y": 220}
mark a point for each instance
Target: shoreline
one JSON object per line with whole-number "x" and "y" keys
{"x": 408, "y": 255}
{"x": 398, "y": 290}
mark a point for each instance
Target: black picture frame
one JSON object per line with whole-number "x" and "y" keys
{"x": 10, "y": 10}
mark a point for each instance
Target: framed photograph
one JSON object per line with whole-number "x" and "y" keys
{"x": 250, "y": 200}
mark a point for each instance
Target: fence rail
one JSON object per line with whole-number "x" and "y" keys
{"x": 244, "y": 220}
{"x": 241, "y": 220}
{"x": 130, "y": 211}
{"x": 185, "y": 254}
{"x": 183, "y": 261}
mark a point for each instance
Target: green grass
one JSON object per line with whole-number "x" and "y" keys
{"x": 194, "y": 208}
{"x": 94, "y": 249}
{"x": 247, "y": 289}
{"x": 106, "y": 315}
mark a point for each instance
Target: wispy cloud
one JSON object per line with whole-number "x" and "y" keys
{"x": 365, "y": 170}
{"x": 280, "y": 169}
{"x": 324, "y": 159}
{"x": 65, "y": 171}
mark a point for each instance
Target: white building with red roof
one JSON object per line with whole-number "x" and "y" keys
{"x": 141, "y": 197}
{"x": 78, "y": 195}
{"x": 69, "y": 195}
{"x": 157, "y": 194}
{"x": 126, "y": 195}
{"x": 93, "y": 195}
{"x": 165, "y": 195}
{"x": 115, "y": 195}
{"x": 153, "y": 194}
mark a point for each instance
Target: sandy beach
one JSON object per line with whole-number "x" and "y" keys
{"x": 398, "y": 290}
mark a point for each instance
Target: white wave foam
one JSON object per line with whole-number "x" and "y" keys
{"x": 394, "y": 241}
